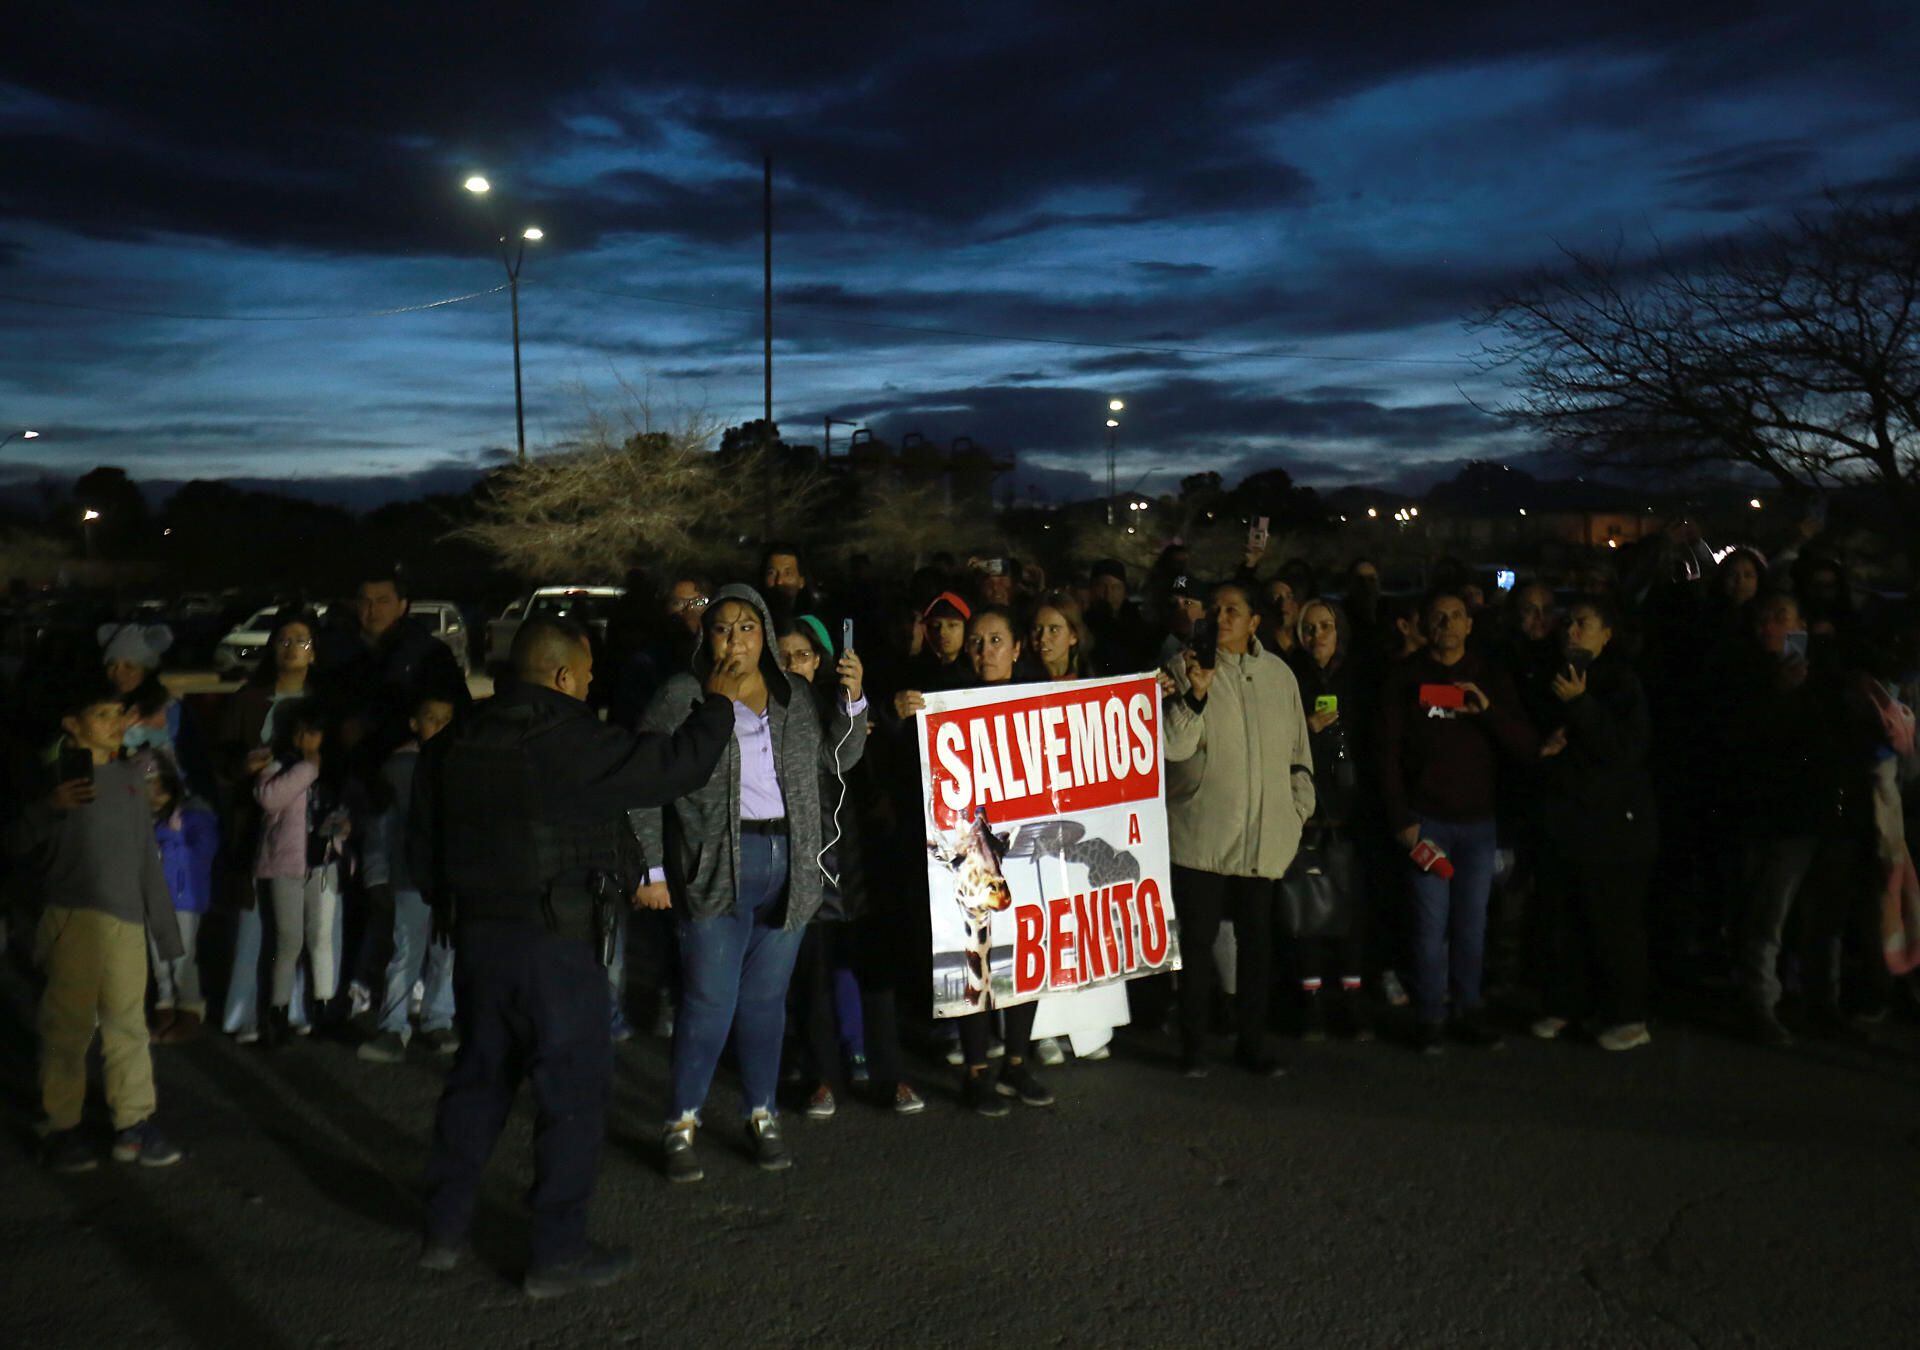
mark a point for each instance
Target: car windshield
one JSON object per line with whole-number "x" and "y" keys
{"x": 260, "y": 622}
{"x": 576, "y": 605}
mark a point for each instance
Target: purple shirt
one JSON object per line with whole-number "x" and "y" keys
{"x": 760, "y": 795}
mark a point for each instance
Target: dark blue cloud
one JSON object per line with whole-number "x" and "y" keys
{"x": 1343, "y": 184}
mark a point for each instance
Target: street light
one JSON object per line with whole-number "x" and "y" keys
{"x": 87, "y": 517}
{"x": 532, "y": 234}
{"x": 21, "y": 435}
{"x": 1114, "y": 405}
{"x": 1754, "y": 502}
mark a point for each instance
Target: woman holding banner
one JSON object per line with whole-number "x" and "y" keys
{"x": 1239, "y": 787}
{"x": 1062, "y": 648}
{"x": 993, "y": 651}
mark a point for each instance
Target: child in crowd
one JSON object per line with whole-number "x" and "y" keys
{"x": 188, "y": 834}
{"x": 303, "y": 838}
{"x": 415, "y": 955}
{"x": 90, "y": 841}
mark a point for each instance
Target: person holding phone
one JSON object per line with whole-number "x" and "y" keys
{"x": 1338, "y": 699}
{"x": 1594, "y": 806}
{"x": 737, "y": 861}
{"x": 89, "y": 843}
{"x": 1448, "y": 717}
{"x": 1240, "y": 785}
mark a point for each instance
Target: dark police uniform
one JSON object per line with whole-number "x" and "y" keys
{"x": 518, "y": 825}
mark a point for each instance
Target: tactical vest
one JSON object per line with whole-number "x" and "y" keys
{"x": 498, "y": 857}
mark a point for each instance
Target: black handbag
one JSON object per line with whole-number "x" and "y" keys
{"x": 1316, "y": 894}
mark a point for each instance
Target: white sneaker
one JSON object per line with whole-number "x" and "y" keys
{"x": 359, "y": 998}
{"x": 247, "y": 1037}
{"x": 1047, "y": 1050}
{"x": 1095, "y": 1056}
{"x": 1627, "y": 1036}
{"x": 1549, "y": 1028}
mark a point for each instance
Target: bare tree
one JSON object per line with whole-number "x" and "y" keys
{"x": 1795, "y": 353}
{"x": 633, "y": 492}
{"x": 901, "y": 523}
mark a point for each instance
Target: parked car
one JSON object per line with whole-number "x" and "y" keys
{"x": 591, "y": 605}
{"x": 443, "y": 619}
{"x": 241, "y": 649}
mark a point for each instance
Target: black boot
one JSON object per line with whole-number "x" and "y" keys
{"x": 274, "y": 1034}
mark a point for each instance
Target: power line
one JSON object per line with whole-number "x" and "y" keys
{"x": 1274, "y": 354}
{"x": 250, "y": 318}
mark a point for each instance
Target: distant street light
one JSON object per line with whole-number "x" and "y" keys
{"x": 87, "y": 517}
{"x": 532, "y": 234}
{"x": 1754, "y": 502}
{"x": 1114, "y": 405}
{"x": 20, "y": 435}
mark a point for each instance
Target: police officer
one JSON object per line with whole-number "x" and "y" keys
{"x": 519, "y": 823}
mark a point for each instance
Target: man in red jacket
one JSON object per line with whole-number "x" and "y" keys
{"x": 1447, "y": 715}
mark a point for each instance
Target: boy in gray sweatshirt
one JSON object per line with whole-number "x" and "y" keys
{"x": 90, "y": 844}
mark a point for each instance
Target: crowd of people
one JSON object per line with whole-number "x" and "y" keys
{"x": 1436, "y": 818}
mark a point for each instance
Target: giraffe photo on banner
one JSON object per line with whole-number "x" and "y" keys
{"x": 1046, "y": 821}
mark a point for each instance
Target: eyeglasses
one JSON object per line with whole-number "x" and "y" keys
{"x": 682, "y": 606}
{"x": 294, "y": 644}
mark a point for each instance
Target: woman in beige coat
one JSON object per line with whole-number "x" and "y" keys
{"x": 1239, "y": 786}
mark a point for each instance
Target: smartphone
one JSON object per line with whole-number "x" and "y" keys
{"x": 75, "y": 763}
{"x": 846, "y": 636}
{"x": 1796, "y": 648}
{"x": 1327, "y": 703}
{"x": 1442, "y": 696}
{"x": 1578, "y": 660}
{"x": 1504, "y": 578}
{"x": 1206, "y": 642}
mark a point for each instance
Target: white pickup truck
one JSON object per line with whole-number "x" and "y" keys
{"x": 591, "y": 605}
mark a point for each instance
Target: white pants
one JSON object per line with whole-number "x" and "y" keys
{"x": 303, "y": 911}
{"x": 177, "y": 982}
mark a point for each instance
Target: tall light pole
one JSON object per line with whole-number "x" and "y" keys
{"x": 87, "y": 517}
{"x": 20, "y": 435}
{"x": 511, "y": 257}
{"x": 1113, "y": 445}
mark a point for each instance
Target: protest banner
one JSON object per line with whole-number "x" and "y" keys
{"x": 1046, "y": 825}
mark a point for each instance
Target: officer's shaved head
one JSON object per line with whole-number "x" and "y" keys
{"x": 555, "y": 654}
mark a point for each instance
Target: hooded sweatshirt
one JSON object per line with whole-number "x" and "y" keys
{"x": 696, "y": 840}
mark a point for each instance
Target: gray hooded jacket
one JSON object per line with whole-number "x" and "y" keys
{"x": 697, "y": 838}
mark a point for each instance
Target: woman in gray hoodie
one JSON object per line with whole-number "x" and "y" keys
{"x": 738, "y": 861}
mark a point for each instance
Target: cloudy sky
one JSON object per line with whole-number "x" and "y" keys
{"x": 1261, "y": 226}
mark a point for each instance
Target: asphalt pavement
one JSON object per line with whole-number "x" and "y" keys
{"x": 1700, "y": 1192}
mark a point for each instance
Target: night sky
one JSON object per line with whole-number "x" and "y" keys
{"x": 1293, "y": 206}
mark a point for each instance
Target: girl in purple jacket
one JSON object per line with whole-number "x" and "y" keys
{"x": 189, "y": 836}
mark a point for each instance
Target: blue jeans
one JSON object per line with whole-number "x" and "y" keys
{"x": 617, "y": 974}
{"x": 253, "y": 937}
{"x": 1450, "y": 920}
{"x": 734, "y": 970}
{"x": 413, "y": 946}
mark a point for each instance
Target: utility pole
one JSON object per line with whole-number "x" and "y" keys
{"x": 766, "y": 235}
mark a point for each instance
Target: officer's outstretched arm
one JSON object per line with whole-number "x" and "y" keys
{"x": 660, "y": 766}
